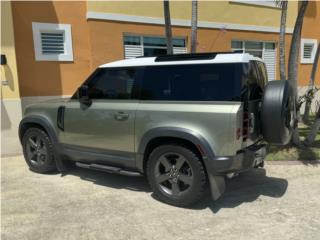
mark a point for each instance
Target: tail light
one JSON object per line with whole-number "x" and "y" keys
{"x": 238, "y": 133}
{"x": 238, "y": 130}
{"x": 245, "y": 126}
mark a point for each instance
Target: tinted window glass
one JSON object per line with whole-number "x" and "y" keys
{"x": 253, "y": 82}
{"x": 131, "y": 40}
{"x": 263, "y": 73}
{"x": 209, "y": 82}
{"x": 236, "y": 44}
{"x": 176, "y": 42}
{"x": 111, "y": 84}
{"x": 148, "y": 52}
{"x": 270, "y": 45}
{"x": 154, "y": 41}
{"x": 254, "y": 45}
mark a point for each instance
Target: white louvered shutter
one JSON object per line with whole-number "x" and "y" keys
{"x": 179, "y": 50}
{"x": 307, "y": 50}
{"x": 269, "y": 57}
{"x": 133, "y": 51}
{"x": 52, "y": 43}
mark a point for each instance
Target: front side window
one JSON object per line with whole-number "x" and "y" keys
{"x": 112, "y": 84}
{"x": 205, "y": 82}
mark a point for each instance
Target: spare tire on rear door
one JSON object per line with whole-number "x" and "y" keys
{"x": 277, "y": 112}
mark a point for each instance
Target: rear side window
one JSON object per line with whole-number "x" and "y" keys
{"x": 253, "y": 82}
{"x": 263, "y": 73}
{"x": 205, "y": 82}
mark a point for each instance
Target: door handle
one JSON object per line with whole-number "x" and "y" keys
{"x": 121, "y": 116}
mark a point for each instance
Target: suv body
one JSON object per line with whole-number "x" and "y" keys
{"x": 206, "y": 103}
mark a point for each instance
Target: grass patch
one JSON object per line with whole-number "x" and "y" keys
{"x": 290, "y": 152}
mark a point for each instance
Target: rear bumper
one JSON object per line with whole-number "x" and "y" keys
{"x": 245, "y": 159}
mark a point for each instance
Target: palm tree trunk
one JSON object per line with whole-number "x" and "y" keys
{"x": 295, "y": 47}
{"x": 311, "y": 86}
{"x": 282, "y": 52}
{"x": 293, "y": 61}
{"x": 313, "y": 131}
{"x": 194, "y": 25}
{"x": 167, "y": 22}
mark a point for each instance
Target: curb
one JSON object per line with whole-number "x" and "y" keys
{"x": 11, "y": 155}
{"x": 292, "y": 162}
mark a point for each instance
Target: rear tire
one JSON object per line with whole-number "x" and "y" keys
{"x": 38, "y": 151}
{"x": 176, "y": 175}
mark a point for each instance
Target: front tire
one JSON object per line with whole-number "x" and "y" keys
{"x": 176, "y": 175}
{"x": 38, "y": 151}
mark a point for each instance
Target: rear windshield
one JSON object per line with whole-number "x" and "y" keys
{"x": 205, "y": 82}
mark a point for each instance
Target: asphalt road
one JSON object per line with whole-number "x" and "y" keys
{"x": 279, "y": 202}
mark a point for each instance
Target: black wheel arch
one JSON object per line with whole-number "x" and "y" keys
{"x": 40, "y": 122}
{"x": 165, "y": 135}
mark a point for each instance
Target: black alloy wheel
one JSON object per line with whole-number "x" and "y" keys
{"x": 173, "y": 174}
{"x": 176, "y": 174}
{"x": 38, "y": 151}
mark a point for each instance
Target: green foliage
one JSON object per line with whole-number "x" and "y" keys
{"x": 291, "y": 152}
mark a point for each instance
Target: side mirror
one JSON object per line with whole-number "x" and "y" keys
{"x": 83, "y": 95}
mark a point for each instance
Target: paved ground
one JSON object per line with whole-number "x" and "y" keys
{"x": 281, "y": 202}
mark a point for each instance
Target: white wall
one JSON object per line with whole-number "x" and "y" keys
{"x": 11, "y": 114}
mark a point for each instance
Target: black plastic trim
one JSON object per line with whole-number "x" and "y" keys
{"x": 43, "y": 122}
{"x": 176, "y": 132}
{"x": 60, "y": 117}
{"x": 190, "y": 56}
{"x": 100, "y": 156}
{"x": 243, "y": 160}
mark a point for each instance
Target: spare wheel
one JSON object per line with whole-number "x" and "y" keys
{"x": 277, "y": 112}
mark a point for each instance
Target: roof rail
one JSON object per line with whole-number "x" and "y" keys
{"x": 191, "y": 56}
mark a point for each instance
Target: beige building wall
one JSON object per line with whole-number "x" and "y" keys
{"x": 50, "y": 78}
{"x": 210, "y": 11}
{"x": 10, "y": 96}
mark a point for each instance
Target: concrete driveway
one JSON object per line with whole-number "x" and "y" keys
{"x": 279, "y": 202}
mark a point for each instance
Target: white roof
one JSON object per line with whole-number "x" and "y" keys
{"x": 150, "y": 61}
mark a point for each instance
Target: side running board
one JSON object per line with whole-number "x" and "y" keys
{"x": 108, "y": 169}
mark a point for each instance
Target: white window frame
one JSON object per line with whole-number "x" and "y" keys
{"x": 156, "y": 36}
{"x": 263, "y": 50}
{"x": 313, "y": 53}
{"x": 268, "y": 3}
{"x": 38, "y": 28}
{"x": 263, "y": 45}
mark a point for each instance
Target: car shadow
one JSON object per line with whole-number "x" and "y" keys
{"x": 111, "y": 180}
{"x": 247, "y": 187}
